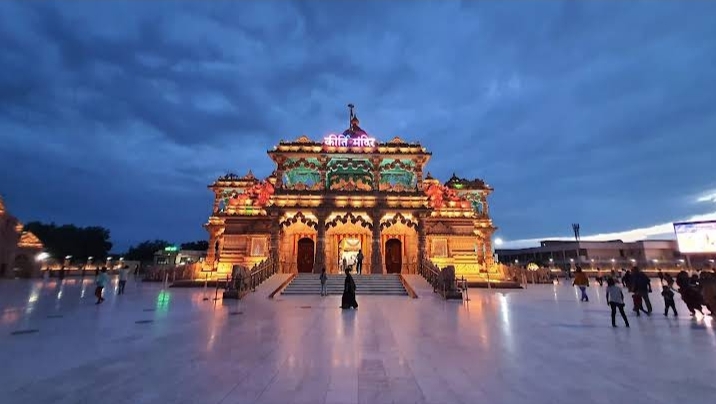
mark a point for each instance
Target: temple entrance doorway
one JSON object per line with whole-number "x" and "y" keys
{"x": 393, "y": 256}
{"x": 305, "y": 255}
{"x": 348, "y": 249}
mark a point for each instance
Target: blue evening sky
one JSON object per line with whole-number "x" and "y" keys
{"x": 119, "y": 114}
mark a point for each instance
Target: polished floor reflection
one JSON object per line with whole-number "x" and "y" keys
{"x": 539, "y": 345}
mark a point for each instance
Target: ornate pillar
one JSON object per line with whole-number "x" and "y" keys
{"x": 322, "y": 170}
{"x": 213, "y": 254}
{"x": 489, "y": 252}
{"x": 419, "y": 163}
{"x": 319, "y": 261}
{"x": 216, "y": 201}
{"x": 376, "y": 259}
{"x": 275, "y": 239}
{"x": 279, "y": 172}
{"x": 376, "y": 173}
{"x": 422, "y": 240}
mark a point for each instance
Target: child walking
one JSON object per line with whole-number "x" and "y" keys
{"x": 669, "y": 302}
{"x": 615, "y": 300}
{"x": 324, "y": 278}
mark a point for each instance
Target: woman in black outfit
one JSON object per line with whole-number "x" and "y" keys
{"x": 349, "y": 292}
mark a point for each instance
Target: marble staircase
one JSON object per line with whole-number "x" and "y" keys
{"x": 310, "y": 284}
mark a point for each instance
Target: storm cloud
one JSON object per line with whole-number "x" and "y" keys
{"x": 120, "y": 114}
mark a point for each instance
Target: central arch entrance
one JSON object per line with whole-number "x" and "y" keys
{"x": 348, "y": 249}
{"x": 393, "y": 256}
{"x": 305, "y": 255}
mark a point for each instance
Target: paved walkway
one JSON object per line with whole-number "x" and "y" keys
{"x": 539, "y": 345}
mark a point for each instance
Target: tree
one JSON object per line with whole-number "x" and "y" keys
{"x": 144, "y": 251}
{"x": 200, "y": 245}
{"x": 68, "y": 239}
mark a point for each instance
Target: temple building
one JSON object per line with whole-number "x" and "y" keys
{"x": 18, "y": 248}
{"x": 327, "y": 200}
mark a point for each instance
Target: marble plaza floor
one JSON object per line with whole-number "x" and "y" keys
{"x": 539, "y": 345}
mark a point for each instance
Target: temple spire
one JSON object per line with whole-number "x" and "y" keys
{"x": 351, "y": 114}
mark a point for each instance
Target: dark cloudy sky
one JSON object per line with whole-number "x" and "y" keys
{"x": 119, "y": 114}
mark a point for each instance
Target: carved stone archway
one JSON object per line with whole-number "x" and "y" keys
{"x": 403, "y": 228}
{"x": 347, "y": 225}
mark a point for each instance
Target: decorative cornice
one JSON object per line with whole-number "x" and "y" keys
{"x": 349, "y": 217}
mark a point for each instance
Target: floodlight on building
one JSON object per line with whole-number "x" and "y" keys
{"x": 655, "y": 261}
{"x": 42, "y": 256}
{"x": 551, "y": 260}
{"x": 682, "y": 260}
{"x": 613, "y": 260}
{"x": 498, "y": 241}
{"x": 632, "y": 260}
{"x": 68, "y": 257}
{"x": 571, "y": 260}
{"x": 90, "y": 258}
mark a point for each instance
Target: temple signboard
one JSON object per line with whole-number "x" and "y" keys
{"x": 334, "y": 140}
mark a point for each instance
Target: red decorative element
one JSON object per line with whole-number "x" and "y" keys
{"x": 435, "y": 195}
{"x": 264, "y": 191}
{"x": 440, "y": 195}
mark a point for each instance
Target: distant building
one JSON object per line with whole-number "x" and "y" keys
{"x": 604, "y": 254}
{"x": 18, "y": 248}
{"x": 175, "y": 256}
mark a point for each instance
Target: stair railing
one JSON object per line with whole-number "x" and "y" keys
{"x": 243, "y": 282}
{"x": 431, "y": 273}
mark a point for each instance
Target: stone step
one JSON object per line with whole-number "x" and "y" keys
{"x": 310, "y": 284}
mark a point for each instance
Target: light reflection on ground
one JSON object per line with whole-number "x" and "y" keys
{"x": 527, "y": 346}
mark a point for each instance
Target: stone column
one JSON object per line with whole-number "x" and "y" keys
{"x": 216, "y": 201}
{"x": 376, "y": 259}
{"x": 275, "y": 240}
{"x": 319, "y": 261}
{"x": 422, "y": 240}
{"x": 376, "y": 173}
{"x": 215, "y": 234}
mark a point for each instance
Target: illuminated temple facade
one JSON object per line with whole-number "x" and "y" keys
{"x": 328, "y": 199}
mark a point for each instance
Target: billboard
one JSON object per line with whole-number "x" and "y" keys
{"x": 696, "y": 237}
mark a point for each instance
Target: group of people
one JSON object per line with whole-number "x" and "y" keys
{"x": 102, "y": 280}
{"x": 696, "y": 291}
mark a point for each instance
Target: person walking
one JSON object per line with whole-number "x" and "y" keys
{"x": 642, "y": 285}
{"x": 348, "y": 299}
{"x": 668, "y": 295}
{"x": 359, "y": 262}
{"x": 615, "y": 300}
{"x": 627, "y": 280}
{"x": 638, "y": 304}
{"x": 600, "y": 278}
{"x": 660, "y": 275}
{"x": 101, "y": 282}
{"x": 324, "y": 278}
{"x": 123, "y": 275}
{"x": 581, "y": 281}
